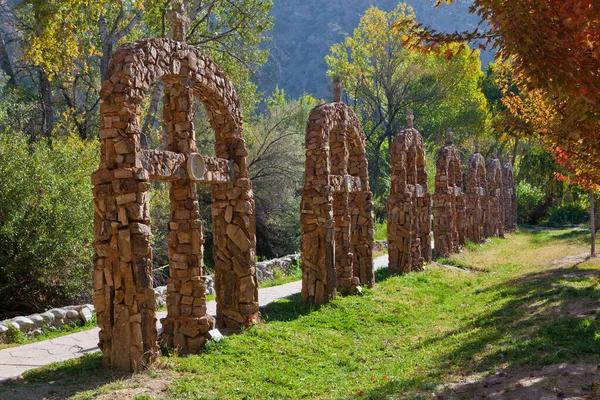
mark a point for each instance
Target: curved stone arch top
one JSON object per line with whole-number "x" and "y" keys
{"x": 510, "y": 197}
{"x": 135, "y": 66}
{"x": 409, "y": 204}
{"x": 124, "y": 298}
{"x": 495, "y": 223}
{"x": 476, "y": 204}
{"x": 336, "y": 212}
{"x": 448, "y": 202}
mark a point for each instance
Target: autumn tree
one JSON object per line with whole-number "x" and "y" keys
{"x": 554, "y": 51}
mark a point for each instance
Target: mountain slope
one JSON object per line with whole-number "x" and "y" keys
{"x": 305, "y": 30}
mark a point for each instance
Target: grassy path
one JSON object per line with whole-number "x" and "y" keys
{"x": 512, "y": 309}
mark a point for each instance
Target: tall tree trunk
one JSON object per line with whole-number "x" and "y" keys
{"x": 593, "y": 223}
{"x": 153, "y": 108}
{"x": 46, "y": 104}
{"x": 514, "y": 153}
{"x": 107, "y": 52}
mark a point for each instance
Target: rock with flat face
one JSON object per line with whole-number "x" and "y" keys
{"x": 25, "y": 324}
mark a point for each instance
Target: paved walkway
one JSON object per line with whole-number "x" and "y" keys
{"x": 16, "y": 360}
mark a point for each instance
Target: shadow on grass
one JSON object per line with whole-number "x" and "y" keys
{"x": 286, "y": 309}
{"x": 382, "y": 274}
{"x": 550, "y": 317}
{"x": 61, "y": 380}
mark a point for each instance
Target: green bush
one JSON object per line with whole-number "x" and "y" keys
{"x": 46, "y": 222}
{"x": 572, "y": 213}
{"x": 528, "y": 198}
{"x": 380, "y": 230}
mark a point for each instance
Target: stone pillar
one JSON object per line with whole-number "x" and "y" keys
{"x": 448, "y": 202}
{"x": 319, "y": 279}
{"x": 187, "y": 323}
{"x": 362, "y": 236}
{"x": 409, "y": 203}
{"x": 509, "y": 197}
{"x": 341, "y": 214}
{"x": 496, "y": 201}
{"x": 123, "y": 295}
{"x": 477, "y": 203}
{"x": 234, "y": 235}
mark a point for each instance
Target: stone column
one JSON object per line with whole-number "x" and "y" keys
{"x": 341, "y": 214}
{"x": 362, "y": 236}
{"x": 123, "y": 295}
{"x": 187, "y": 323}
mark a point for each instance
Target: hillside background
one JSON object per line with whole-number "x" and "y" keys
{"x": 305, "y": 30}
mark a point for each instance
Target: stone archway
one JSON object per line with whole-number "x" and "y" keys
{"x": 336, "y": 219}
{"x": 448, "y": 201}
{"x": 509, "y": 197}
{"x": 409, "y": 203}
{"x": 124, "y": 298}
{"x": 495, "y": 223}
{"x": 476, "y": 204}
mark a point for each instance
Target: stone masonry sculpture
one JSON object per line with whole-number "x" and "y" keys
{"x": 495, "y": 223}
{"x": 409, "y": 203}
{"x": 476, "y": 204}
{"x": 510, "y": 197}
{"x": 448, "y": 201}
{"x": 123, "y": 294}
{"x": 336, "y": 219}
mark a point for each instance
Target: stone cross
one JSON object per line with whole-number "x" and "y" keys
{"x": 449, "y": 136}
{"x": 476, "y": 145}
{"x": 179, "y": 22}
{"x": 337, "y": 89}
{"x": 410, "y": 119}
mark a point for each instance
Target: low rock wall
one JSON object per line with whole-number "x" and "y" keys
{"x": 57, "y": 317}
{"x": 31, "y": 325}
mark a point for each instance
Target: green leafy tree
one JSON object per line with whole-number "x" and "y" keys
{"x": 46, "y": 220}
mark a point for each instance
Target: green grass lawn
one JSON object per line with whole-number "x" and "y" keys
{"x": 528, "y": 300}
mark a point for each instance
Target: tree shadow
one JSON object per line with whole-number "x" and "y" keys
{"x": 286, "y": 309}
{"x": 552, "y": 317}
{"x": 61, "y": 380}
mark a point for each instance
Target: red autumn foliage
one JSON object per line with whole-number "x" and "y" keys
{"x": 554, "y": 46}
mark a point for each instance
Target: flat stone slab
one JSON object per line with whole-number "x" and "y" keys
{"x": 15, "y": 361}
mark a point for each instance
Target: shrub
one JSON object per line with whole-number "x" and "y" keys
{"x": 528, "y": 198}
{"x": 46, "y": 222}
{"x": 572, "y": 213}
{"x": 380, "y": 230}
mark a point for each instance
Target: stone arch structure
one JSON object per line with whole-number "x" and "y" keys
{"x": 124, "y": 298}
{"x": 495, "y": 224}
{"x": 336, "y": 219}
{"x": 409, "y": 203}
{"x": 509, "y": 197}
{"x": 448, "y": 201}
{"x": 476, "y": 204}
